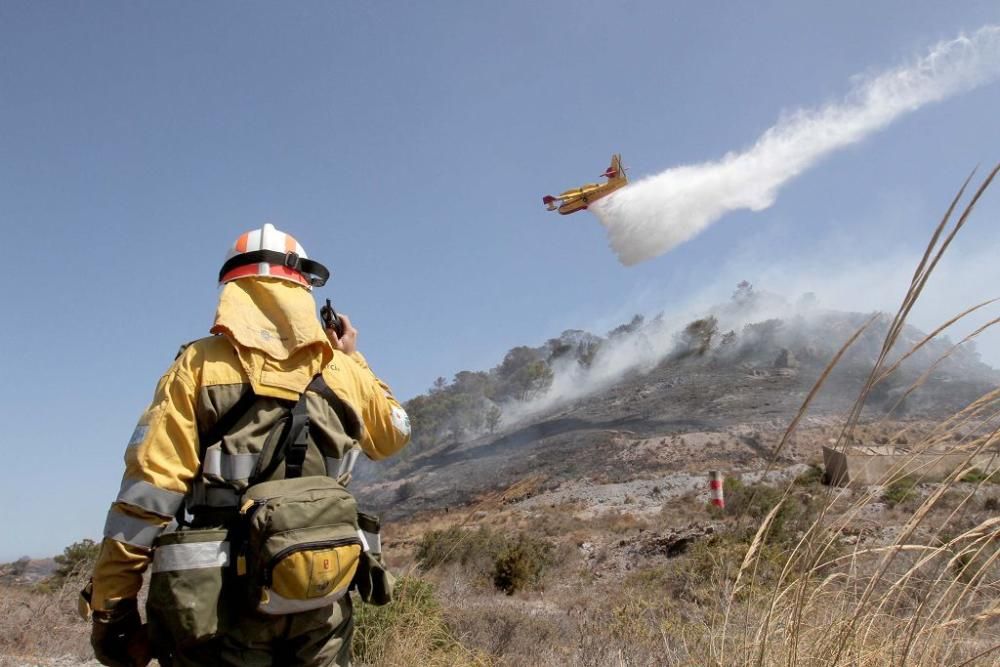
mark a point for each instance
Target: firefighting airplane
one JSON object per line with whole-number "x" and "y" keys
{"x": 580, "y": 198}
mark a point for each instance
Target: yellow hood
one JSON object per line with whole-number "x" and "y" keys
{"x": 277, "y": 336}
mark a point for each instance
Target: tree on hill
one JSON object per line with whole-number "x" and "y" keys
{"x": 493, "y": 416}
{"x": 75, "y": 560}
{"x": 629, "y": 327}
{"x": 696, "y": 338}
{"x": 521, "y": 374}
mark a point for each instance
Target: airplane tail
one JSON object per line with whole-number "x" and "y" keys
{"x": 615, "y": 170}
{"x": 550, "y": 202}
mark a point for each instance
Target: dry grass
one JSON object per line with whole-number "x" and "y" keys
{"x": 37, "y": 624}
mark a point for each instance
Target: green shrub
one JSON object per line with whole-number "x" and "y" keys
{"x": 75, "y": 561}
{"x": 757, "y": 500}
{"x": 814, "y": 476}
{"x": 521, "y": 564}
{"x": 512, "y": 562}
{"x": 475, "y": 549}
{"x": 900, "y": 490}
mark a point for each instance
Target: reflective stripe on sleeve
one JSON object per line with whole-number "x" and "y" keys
{"x": 190, "y": 556}
{"x": 146, "y": 496}
{"x": 229, "y": 467}
{"x": 127, "y": 529}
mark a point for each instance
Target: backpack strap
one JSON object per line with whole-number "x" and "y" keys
{"x": 293, "y": 442}
{"x": 227, "y": 421}
{"x": 222, "y": 426}
{"x": 297, "y": 441}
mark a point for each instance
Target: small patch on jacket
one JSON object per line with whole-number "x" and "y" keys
{"x": 138, "y": 435}
{"x": 401, "y": 420}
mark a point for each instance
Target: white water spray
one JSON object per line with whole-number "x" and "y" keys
{"x": 651, "y": 216}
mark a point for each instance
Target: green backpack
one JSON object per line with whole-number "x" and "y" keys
{"x": 297, "y": 544}
{"x": 301, "y": 543}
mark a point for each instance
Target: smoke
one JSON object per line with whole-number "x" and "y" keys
{"x": 651, "y": 216}
{"x": 964, "y": 278}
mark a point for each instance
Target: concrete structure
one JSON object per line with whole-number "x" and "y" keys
{"x": 877, "y": 464}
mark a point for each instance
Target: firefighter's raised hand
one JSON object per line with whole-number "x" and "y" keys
{"x": 348, "y": 343}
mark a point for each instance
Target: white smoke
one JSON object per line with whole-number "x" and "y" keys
{"x": 651, "y": 216}
{"x": 964, "y": 278}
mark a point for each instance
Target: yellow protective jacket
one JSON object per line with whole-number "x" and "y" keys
{"x": 267, "y": 339}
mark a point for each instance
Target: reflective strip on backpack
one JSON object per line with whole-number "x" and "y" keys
{"x": 274, "y": 604}
{"x": 371, "y": 542}
{"x": 338, "y": 467}
{"x": 127, "y": 529}
{"x": 190, "y": 556}
{"x": 145, "y": 496}
{"x": 350, "y": 460}
{"x": 229, "y": 467}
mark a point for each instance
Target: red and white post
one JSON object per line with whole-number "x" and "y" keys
{"x": 715, "y": 484}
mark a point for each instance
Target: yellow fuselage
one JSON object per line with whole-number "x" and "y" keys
{"x": 580, "y": 198}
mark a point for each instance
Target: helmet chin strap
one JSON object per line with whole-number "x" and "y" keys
{"x": 315, "y": 273}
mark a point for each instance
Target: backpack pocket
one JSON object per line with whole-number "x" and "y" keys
{"x": 302, "y": 543}
{"x": 185, "y": 587}
{"x": 373, "y": 581}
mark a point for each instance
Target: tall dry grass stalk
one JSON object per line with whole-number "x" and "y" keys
{"x": 921, "y": 600}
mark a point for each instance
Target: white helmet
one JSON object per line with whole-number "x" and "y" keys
{"x": 270, "y": 252}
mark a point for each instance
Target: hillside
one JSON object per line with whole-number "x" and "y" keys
{"x": 655, "y": 397}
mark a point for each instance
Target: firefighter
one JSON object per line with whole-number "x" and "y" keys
{"x": 270, "y": 395}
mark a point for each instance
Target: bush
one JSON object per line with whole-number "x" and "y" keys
{"x": 475, "y": 549}
{"x": 900, "y": 490}
{"x": 814, "y": 476}
{"x": 76, "y": 560}
{"x": 755, "y": 501}
{"x": 512, "y": 562}
{"x": 521, "y": 564}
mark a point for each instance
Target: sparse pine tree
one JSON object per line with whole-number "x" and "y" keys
{"x": 493, "y": 415}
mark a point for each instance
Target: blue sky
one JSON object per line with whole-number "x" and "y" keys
{"x": 407, "y": 146}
